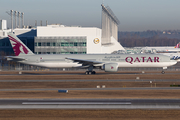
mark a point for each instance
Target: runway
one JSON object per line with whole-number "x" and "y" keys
{"x": 120, "y": 88}
{"x": 97, "y": 80}
{"x": 51, "y": 84}
{"x": 89, "y": 103}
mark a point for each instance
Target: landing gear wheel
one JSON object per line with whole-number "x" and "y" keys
{"x": 90, "y": 72}
{"x": 87, "y": 72}
{"x": 162, "y": 72}
{"x": 93, "y": 72}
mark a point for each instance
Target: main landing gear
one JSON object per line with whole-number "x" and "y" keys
{"x": 90, "y": 72}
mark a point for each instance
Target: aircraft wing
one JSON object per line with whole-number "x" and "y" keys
{"x": 85, "y": 62}
{"x": 15, "y": 58}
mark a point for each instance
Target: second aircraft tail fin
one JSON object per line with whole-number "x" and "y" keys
{"x": 177, "y": 46}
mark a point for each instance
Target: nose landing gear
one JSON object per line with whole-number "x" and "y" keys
{"x": 164, "y": 68}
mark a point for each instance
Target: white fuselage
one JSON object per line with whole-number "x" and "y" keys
{"x": 123, "y": 60}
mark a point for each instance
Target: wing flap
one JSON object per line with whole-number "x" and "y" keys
{"x": 85, "y": 62}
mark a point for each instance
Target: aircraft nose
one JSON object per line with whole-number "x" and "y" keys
{"x": 173, "y": 62}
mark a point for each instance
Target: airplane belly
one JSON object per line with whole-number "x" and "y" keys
{"x": 161, "y": 64}
{"x": 61, "y": 65}
{"x": 69, "y": 65}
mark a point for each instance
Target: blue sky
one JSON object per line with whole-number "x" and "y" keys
{"x": 134, "y": 15}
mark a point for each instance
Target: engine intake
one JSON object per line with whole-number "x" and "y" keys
{"x": 110, "y": 67}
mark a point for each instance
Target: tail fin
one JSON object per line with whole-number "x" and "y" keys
{"x": 18, "y": 46}
{"x": 177, "y": 46}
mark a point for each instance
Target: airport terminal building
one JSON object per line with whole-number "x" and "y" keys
{"x": 61, "y": 39}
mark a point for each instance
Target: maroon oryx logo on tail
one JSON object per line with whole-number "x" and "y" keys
{"x": 17, "y": 46}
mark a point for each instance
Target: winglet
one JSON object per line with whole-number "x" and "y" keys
{"x": 18, "y": 46}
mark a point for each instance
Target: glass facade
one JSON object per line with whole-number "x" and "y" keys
{"x": 60, "y": 45}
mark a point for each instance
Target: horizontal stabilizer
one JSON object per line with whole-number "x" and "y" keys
{"x": 9, "y": 58}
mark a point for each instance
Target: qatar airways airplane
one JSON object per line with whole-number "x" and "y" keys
{"x": 106, "y": 62}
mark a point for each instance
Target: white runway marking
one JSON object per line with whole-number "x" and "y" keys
{"x": 76, "y": 103}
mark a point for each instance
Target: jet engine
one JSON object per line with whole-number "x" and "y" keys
{"x": 110, "y": 67}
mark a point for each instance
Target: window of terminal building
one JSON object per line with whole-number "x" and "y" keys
{"x": 54, "y": 44}
{"x": 39, "y": 44}
{"x": 66, "y": 44}
{"x": 75, "y": 44}
{"x": 62, "y": 44}
{"x": 43, "y": 44}
{"x": 57, "y": 44}
{"x": 37, "y": 52}
{"x": 48, "y": 44}
{"x": 65, "y": 52}
{"x": 80, "y": 44}
{"x": 84, "y": 43}
{"x": 71, "y": 44}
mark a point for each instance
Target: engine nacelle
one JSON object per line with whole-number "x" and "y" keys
{"x": 110, "y": 67}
